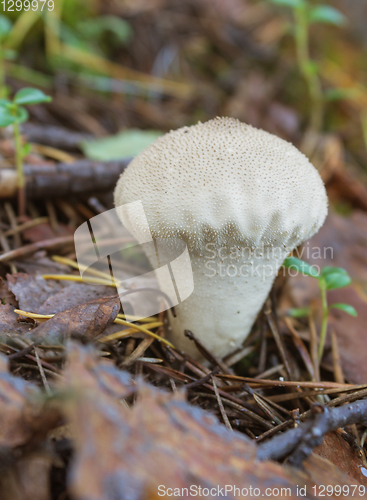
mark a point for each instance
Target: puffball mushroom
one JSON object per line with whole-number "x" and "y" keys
{"x": 241, "y": 199}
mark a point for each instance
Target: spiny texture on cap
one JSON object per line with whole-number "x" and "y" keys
{"x": 224, "y": 182}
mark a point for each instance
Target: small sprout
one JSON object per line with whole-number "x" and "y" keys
{"x": 5, "y": 29}
{"x": 13, "y": 113}
{"x": 305, "y": 14}
{"x": 330, "y": 278}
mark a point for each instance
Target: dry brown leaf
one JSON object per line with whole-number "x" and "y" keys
{"x": 31, "y": 291}
{"x": 9, "y": 324}
{"x": 15, "y": 407}
{"x": 24, "y": 421}
{"x": 85, "y": 321}
{"x": 6, "y": 296}
{"x": 339, "y": 452}
{"x": 29, "y": 479}
{"x": 74, "y": 295}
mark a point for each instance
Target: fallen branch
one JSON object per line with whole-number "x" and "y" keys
{"x": 61, "y": 179}
{"x": 26, "y": 250}
{"x": 56, "y": 137}
{"x": 298, "y": 443}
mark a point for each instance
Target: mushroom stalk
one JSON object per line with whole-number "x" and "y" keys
{"x": 228, "y": 294}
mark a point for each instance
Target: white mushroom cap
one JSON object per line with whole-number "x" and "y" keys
{"x": 225, "y": 183}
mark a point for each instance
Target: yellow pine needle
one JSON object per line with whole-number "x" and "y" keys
{"x": 33, "y": 315}
{"x": 129, "y": 331}
{"x": 73, "y": 277}
{"x": 144, "y": 330}
{"x": 117, "y": 320}
{"x": 80, "y": 267}
{"x": 151, "y": 319}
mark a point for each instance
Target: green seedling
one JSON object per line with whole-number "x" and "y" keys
{"x": 14, "y": 113}
{"x": 304, "y": 15}
{"x": 330, "y": 278}
{"x": 5, "y": 29}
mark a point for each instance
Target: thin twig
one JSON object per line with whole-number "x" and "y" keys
{"x": 42, "y": 373}
{"x": 221, "y": 407}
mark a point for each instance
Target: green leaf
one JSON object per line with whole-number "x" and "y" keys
{"x": 6, "y": 116}
{"x": 346, "y": 308}
{"x": 299, "y": 312}
{"x": 5, "y": 27}
{"x": 289, "y": 3}
{"x": 336, "y": 280}
{"x": 29, "y": 95}
{"x": 338, "y": 94}
{"x": 21, "y": 114}
{"x": 301, "y": 266}
{"x": 327, "y": 14}
{"x": 123, "y": 145}
{"x": 4, "y": 103}
{"x": 333, "y": 270}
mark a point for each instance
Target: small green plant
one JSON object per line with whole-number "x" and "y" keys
{"x": 5, "y": 29}
{"x": 305, "y": 14}
{"x": 14, "y": 113}
{"x": 330, "y": 278}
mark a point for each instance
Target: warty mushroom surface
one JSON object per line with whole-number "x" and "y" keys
{"x": 241, "y": 199}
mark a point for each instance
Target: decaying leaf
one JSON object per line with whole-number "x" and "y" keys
{"x": 24, "y": 421}
{"x": 6, "y": 296}
{"x": 9, "y": 324}
{"x": 74, "y": 295}
{"x": 83, "y": 321}
{"x": 340, "y": 453}
{"x": 31, "y": 291}
{"x": 15, "y": 396}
